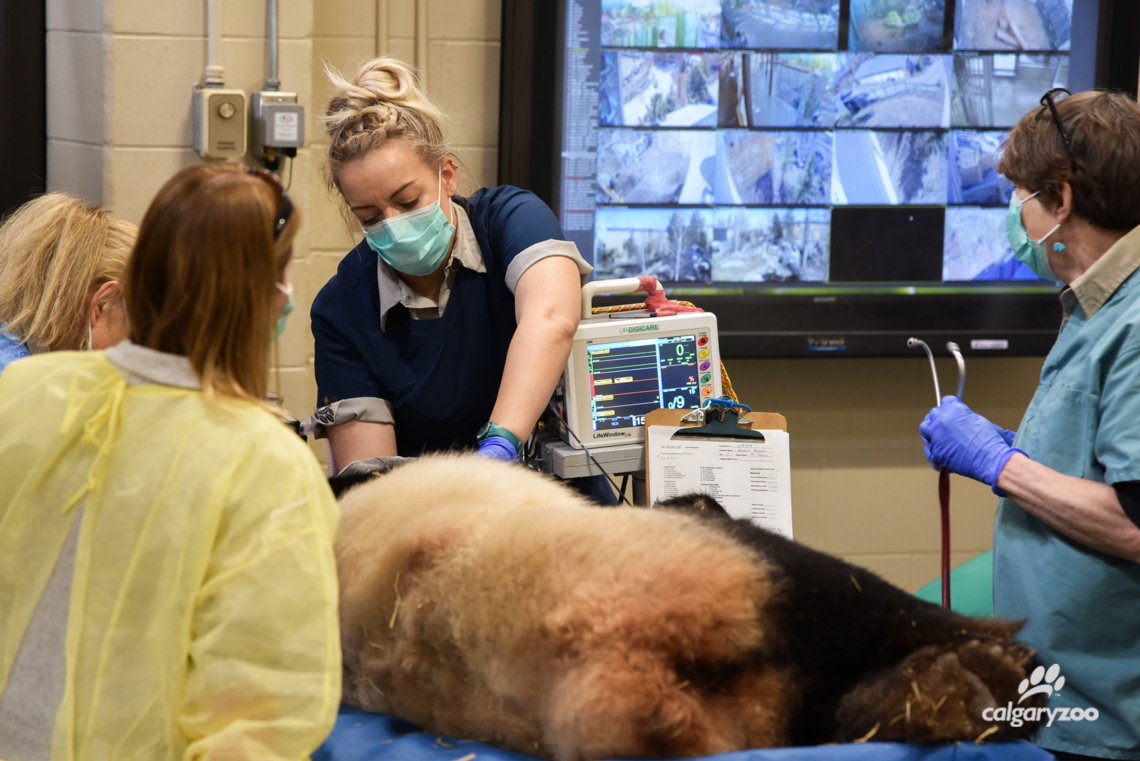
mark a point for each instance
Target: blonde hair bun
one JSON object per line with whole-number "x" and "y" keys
{"x": 383, "y": 101}
{"x": 381, "y": 80}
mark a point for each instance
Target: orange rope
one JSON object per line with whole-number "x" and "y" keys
{"x": 619, "y": 308}
{"x": 726, "y": 384}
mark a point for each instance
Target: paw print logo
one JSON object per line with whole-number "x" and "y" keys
{"x": 1053, "y": 682}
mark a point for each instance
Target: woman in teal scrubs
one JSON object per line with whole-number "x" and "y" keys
{"x": 1067, "y": 534}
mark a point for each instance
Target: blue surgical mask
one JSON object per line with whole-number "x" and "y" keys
{"x": 415, "y": 243}
{"x": 1031, "y": 252}
{"x": 286, "y": 310}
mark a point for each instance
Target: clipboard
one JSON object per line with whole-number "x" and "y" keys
{"x": 754, "y": 487}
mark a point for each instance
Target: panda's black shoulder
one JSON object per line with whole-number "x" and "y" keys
{"x": 694, "y": 502}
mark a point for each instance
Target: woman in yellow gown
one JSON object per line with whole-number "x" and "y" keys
{"x": 167, "y": 585}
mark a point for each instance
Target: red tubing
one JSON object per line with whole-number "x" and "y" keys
{"x": 944, "y": 500}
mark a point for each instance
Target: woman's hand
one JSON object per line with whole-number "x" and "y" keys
{"x": 1087, "y": 511}
{"x": 548, "y": 303}
{"x": 963, "y": 441}
{"x": 498, "y": 448}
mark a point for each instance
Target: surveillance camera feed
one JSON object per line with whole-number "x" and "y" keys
{"x": 708, "y": 142}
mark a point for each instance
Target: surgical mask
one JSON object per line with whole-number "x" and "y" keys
{"x": 415, "y": 243}
{"x": 1031, "y": 252}
{"x": 286, "y": 310}
{"x": 90, "y": 340}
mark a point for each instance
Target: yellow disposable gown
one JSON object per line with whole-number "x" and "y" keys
{"x": 202, "y": 618}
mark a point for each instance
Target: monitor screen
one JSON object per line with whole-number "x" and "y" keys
{"x": 806, "y": 149}
{"x": 630, "y": 378}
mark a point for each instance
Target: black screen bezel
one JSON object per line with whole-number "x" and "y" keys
{"x": 759, "y": 323}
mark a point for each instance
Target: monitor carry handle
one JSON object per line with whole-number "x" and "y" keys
{"x": 624, "y": 285}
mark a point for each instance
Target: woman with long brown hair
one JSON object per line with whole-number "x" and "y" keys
{"x": 166, "y": 575}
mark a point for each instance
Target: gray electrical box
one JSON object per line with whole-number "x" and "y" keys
{"x": 219, "y": 122}
{"x": 278, "y": 123}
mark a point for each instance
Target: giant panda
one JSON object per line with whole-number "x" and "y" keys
{"x": 485, "y": 601}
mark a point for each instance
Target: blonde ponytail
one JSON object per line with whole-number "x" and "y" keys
{"x": 383, "y": 101}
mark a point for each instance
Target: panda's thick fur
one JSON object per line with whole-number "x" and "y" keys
{"x": 482, "y": 600}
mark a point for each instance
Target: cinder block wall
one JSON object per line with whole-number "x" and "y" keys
{"x": 120, "y": 74}
{"x": 119, "y": 79}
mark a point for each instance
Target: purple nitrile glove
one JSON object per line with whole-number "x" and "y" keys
{"x": 965, "y": 442}
{"x": 1007, "y": 435}
{"x": 498, "y": 448}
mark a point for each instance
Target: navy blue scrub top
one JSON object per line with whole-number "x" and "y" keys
{"x": 442, "y": 375}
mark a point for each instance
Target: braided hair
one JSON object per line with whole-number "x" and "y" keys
{"x": 383, "y": 101}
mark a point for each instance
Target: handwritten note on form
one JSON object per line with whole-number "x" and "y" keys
{"x": 748, "y": 477}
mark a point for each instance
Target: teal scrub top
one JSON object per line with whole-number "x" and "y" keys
{"x": 1081, "y": 606}
{"x": 971, "y": 587}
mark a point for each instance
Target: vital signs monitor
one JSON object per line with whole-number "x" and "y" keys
{"x": 625, "y": 364}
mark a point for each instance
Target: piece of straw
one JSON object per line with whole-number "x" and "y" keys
{"x": 399, "y": 601}
{"x": 985, "y": 734}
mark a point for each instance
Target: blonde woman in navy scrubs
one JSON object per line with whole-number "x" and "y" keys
{"x": 449, "y": 325}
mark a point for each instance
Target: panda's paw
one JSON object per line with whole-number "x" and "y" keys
{"x": 941, "y": 694}
{"x": 998, "y": 666}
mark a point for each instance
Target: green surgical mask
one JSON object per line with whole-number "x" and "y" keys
{"x": 415, "y": 243}
{"x": 1029, "y": 251}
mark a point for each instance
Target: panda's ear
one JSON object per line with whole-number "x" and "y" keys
{"x": 693, "y": 502}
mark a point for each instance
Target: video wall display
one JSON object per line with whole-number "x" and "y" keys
{"x": 710, "y": 141}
